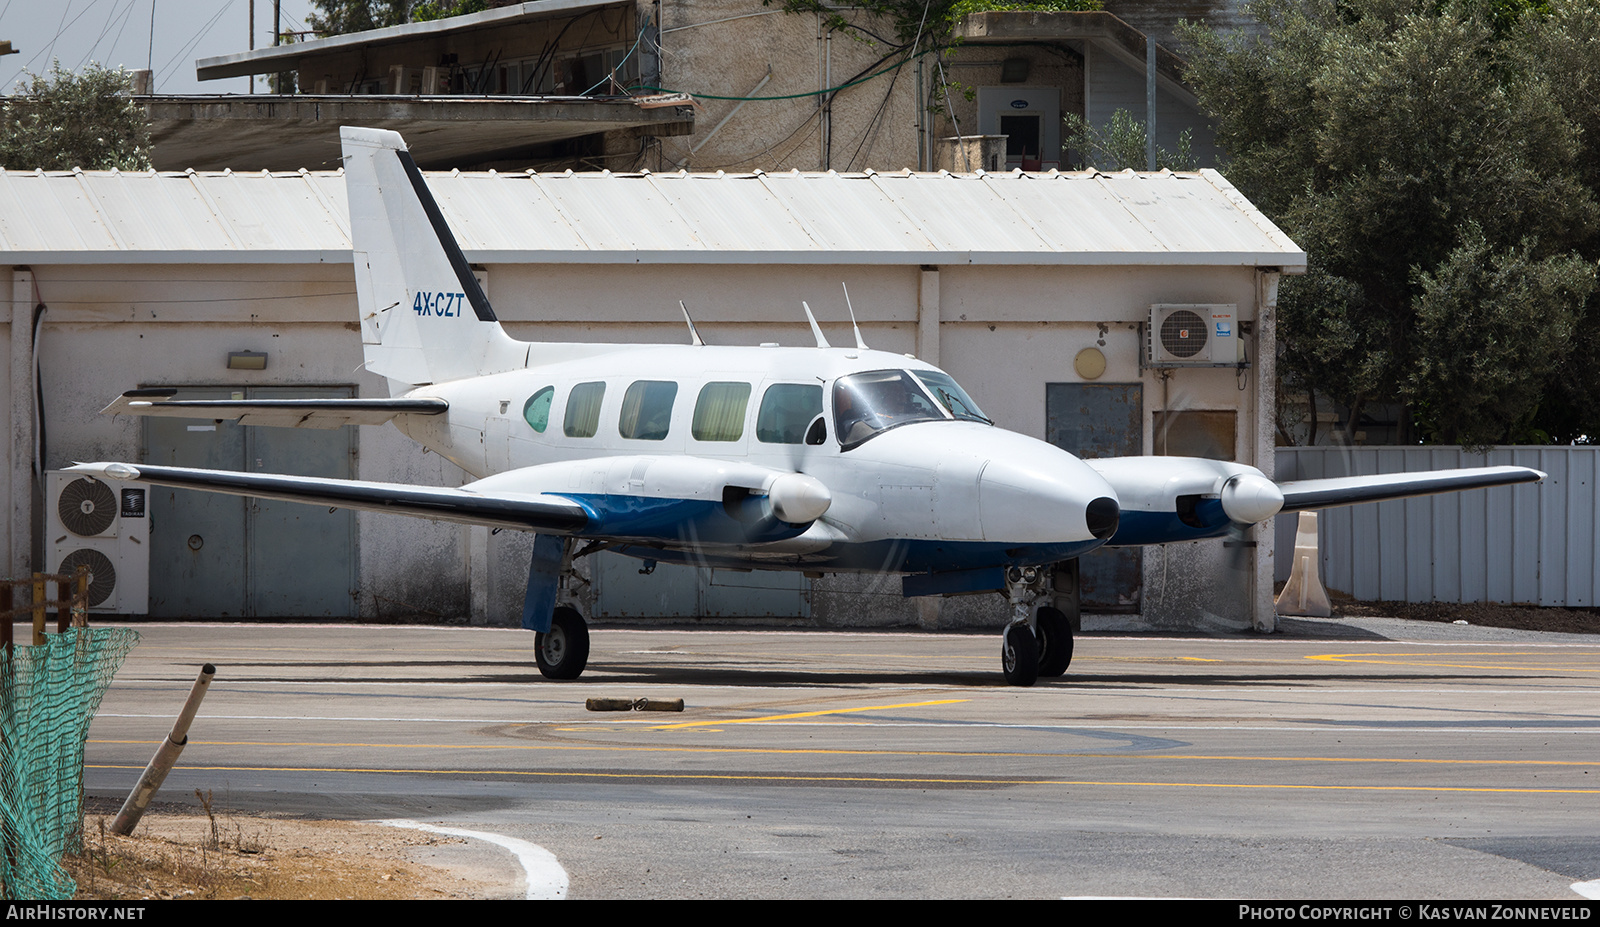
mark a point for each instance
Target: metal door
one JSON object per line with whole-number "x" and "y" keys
{"x": 218, "y": 556}
{"x": 1101, "y": 420}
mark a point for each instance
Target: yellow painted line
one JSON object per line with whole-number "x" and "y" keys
{"x": 874, "y": 780}
{"x": 1403, "y": 660}
{"x": 1198, "y": 660}
{"x": 823, "y": 751}
{"x": 810, "y": 714}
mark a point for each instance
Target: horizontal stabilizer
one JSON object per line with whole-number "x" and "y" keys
{"x": 1302, "y": 495}
{"x": 281, "y": 413}
{"x": 529, "y": 511}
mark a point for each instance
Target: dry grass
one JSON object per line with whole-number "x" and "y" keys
{"x": 230, "y": 856}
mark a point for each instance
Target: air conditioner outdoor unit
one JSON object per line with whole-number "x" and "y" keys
{"x": 1194, "y": 336}
{"x": 405, "y": 81}
{"x": 103, "y": 525}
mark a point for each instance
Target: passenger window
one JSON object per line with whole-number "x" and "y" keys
{"x": 786, "y": 410}
{"x": 583, "y": 410}
{"x": 536, "y": 411}
{"x": 719, "y": 412}
{"x": 647, "y": 410}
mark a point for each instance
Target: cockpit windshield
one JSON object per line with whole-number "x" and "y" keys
{"x": 865, "y": 404}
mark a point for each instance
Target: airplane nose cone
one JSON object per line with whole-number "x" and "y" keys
{"x": 1102, "y": 516}
{"x": 1047, "y": 498}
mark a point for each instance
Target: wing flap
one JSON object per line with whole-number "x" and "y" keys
{"x": 548, "y": 514}
{"x": 1304, "y": 495}
{"x": 279, "y": 413}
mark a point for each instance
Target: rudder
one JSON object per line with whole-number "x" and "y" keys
{"x": 424, "y": 318}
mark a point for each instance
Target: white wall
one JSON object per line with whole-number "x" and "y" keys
{"x": 1004, "y": 332}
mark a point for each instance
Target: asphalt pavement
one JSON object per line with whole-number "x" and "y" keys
{"x": 1367, "y": 758}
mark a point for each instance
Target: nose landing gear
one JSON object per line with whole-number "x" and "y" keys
{"x": 1038, "y": 640}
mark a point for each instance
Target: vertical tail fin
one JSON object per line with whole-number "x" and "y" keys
{"x": 424, "y": 318}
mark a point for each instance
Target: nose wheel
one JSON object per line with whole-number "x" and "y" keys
{"x": 1019, "y": 655}
{"x": 1054, "y": 632}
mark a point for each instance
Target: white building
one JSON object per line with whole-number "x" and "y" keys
{"x": 1033, "y": 290}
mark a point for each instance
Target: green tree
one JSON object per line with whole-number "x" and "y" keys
{"x": 1121, "y": 144}
{"x": 64, "y": 120}
{"x": 1397, "y": 141}
{"x": 342, "y": 17}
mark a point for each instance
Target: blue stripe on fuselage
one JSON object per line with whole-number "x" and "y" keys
{"x": 676, "y": 521}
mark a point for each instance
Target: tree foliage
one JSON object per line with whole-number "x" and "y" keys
{"x": 1121, "y": 144}
{"x": 64, "y": 120}
{"x": 342, "y": 17}
{"x": 919, "y": 25}
{"x": 1437, "y": 161}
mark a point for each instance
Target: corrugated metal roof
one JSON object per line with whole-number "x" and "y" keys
{"x": 793, "y": 218}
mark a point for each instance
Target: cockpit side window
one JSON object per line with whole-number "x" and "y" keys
{"x": 951, "y": 396}
{"x": 583, "y": 410}
{"x": 865, "y": 404}
{"x": 536, "y": 411}
{"x": 719, "y": 412}
{"x": 786, "y": 410}
{"x": 647, "y": 410}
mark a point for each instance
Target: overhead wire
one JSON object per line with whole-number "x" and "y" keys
{"x": 195, "y": 39}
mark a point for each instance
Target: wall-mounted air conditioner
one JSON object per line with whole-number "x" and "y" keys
{"x": 1194, "y": 336}
{"x": 101, "y": 524}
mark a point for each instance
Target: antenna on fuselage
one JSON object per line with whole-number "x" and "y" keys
{"x": 861, "y": 345}
{"x": 815, "y": 328}
{"x": 694, "y": 335}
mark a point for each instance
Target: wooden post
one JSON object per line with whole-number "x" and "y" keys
{"x": 5, "y": 609}
{"x": 80, "y": 597}
{"x": 38, "y": 609}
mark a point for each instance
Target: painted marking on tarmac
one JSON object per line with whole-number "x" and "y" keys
{"x": 1401, "y": 659}
{"x": 808, "y": 714}
{"x": 542, "y": 873}
{"x": 827, "y": 751}
{"x": 866, "y": 780}
{"x": 1590, "y": 889}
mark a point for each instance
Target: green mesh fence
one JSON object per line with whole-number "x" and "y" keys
{"x": 51, "y": 692}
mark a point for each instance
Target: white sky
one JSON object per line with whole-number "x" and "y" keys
{"x": 118, "y": 32}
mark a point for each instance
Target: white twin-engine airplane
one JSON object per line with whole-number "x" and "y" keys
{"x": 818, "y": 459}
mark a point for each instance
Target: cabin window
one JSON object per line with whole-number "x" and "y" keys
{"x": 786, "y": 410}
{"x": 536, "y": 411}
{"x": 647, "y": 409}
{"x": 583, "y": 410}
{"x": 719, "y": 412}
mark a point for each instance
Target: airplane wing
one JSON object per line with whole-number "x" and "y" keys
{"x": 284, "y": 413}
{"x": 1304, "y": 495}
{"x": 529, "y": 511}
{"x": 668, "y": 501}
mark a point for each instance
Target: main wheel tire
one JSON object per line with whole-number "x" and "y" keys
{"x": 563, "y": 651}
{"x": 1019, "y": 655}
{"x": 1055, "y": 641}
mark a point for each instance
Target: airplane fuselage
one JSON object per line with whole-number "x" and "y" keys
{"x": 930, "y": 492}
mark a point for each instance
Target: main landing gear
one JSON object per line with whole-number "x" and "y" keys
{"x": 1038, "y": 641}
{"x": 560, "y": 638}
{"x": 563, "y": 651}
